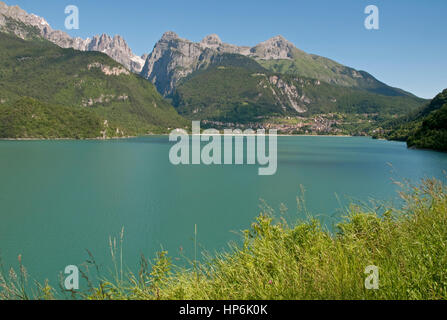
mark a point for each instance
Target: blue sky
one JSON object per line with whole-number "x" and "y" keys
{"x": 408, "y": 51}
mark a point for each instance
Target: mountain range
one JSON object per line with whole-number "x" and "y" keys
{"x": 206, "y": 80}
{"x": 174, "y": 58}
{"x": 28, "y": 26}
{"x": 91, "y": 84}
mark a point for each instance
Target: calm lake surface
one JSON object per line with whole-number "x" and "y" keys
{"x": 59, "y": 198}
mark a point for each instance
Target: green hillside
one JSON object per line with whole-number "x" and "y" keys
{"x": 225, "y": 93}
{"x": 430, "y": 130}
{"x": 432, "y": 134}
{"x": 82, "y": 81}
{"x": 237, "y": 89}
{"x": 29, "y": 118}
{"x": 423, "y": 128}
{"x": 316, "y": 67}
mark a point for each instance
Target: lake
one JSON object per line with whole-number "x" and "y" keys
{"x": 59, "y": 198}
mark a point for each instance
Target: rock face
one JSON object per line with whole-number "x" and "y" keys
{"x": 174, "y": 58}
{"x": 107, "y": 70}
{"x": 17, "y": 21}
{"x": 275, "y": 48}
{"x": 291, "y": 93}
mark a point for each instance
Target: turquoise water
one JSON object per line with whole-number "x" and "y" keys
{"x": 58, "y": 198}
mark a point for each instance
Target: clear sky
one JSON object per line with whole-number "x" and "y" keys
{"x": 408, "y": 51}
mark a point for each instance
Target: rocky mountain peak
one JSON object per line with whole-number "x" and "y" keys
{"x": 16, "y": 13}
{"x": 40, "y": 20}
{"x": 279, "y": 39}
{"x": 211, "y": 40}
{"x": 274, "y": 48}
{"x": 115, "y": 47}
{"x": 12, "y": 10}
{"x": 105, "y": 42}
{"x": 169, "y": 36}
{"x": 171, "y": 61}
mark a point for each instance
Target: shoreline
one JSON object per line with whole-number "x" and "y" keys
{"x": 167, "y": 135}
{"x": 67, "y": 139}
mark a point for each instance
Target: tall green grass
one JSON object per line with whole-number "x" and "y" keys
{"x": 305, "y": 261}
